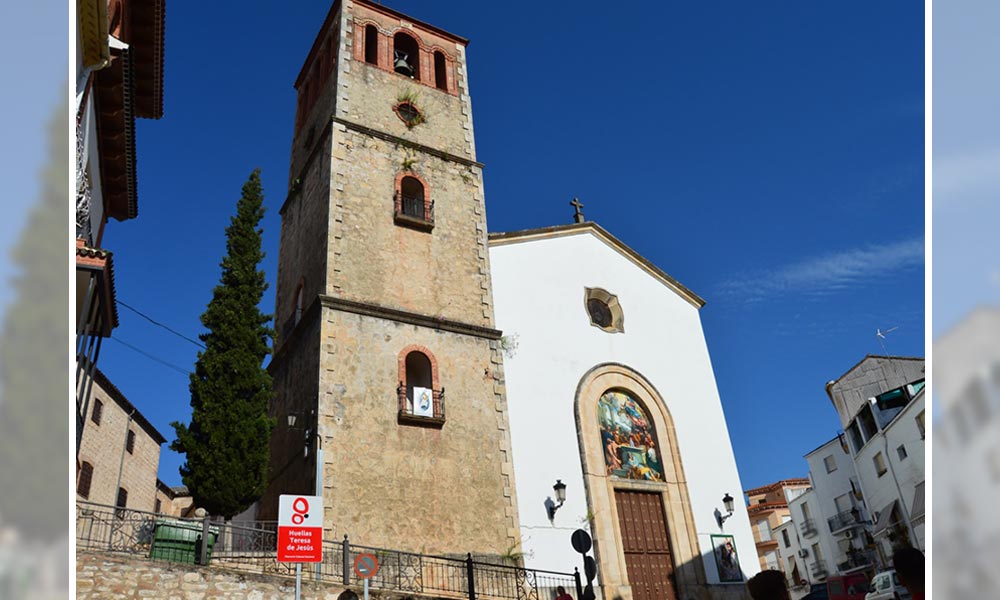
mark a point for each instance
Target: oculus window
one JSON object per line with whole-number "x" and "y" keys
{"x": 604, "y": 310}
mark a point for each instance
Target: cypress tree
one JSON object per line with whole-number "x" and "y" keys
{"x": 226, "y": 446}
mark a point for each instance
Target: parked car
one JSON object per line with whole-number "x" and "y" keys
{"x": 886, "y": 586}
{"x": 816, "y": 592}
{"x": 847, "y": 587}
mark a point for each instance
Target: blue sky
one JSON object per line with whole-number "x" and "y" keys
{"x": 25, "y": 116}
{"x": 768, "y": 156}
{"x": 966, "y": 162}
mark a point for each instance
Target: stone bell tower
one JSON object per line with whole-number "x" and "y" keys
{"x": 386, "y": 347}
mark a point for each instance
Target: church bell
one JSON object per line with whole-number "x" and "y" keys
{"x": 402, "y": 66}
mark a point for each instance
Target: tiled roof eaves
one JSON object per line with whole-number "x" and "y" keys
{"x": 146, "y": 36}
{"x": 793, "y": 482}
{"x": 766, "y": 506}
{"x": 98, "y": 258}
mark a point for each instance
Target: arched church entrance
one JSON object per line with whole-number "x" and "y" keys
{"x": 641, "y": 521}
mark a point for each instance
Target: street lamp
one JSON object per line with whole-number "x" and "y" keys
{"x": 306, "y": 427}
{"x": 727, "y": 502}
{"x": 560, "y": 489}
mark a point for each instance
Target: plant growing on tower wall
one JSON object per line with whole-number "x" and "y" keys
{"x": 226, "y": 445}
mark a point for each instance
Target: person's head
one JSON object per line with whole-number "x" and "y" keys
{"x": 768, "y": 585}
{"x": 561, "y": 590}
{"x": 909, "y": 565}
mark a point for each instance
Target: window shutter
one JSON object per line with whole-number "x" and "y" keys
{"x": 86, "y": 476}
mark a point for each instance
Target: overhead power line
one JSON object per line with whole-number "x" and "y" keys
{"x": 158, "y": 324}
{"x": 152, "y": 357}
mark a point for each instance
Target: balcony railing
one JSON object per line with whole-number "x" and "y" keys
{"x": 818, "y": 568}
{"x": 408, "y": 415}
{"x": 857, "y": 559}
{"x": 808, "y": 527}
{"x": 414, "y": 211}
{"x": 848, "y": 518}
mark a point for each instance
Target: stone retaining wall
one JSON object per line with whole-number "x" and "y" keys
{"x": 114, "y": 577}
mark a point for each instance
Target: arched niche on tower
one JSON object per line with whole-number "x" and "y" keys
{"x": 668, "y": 481}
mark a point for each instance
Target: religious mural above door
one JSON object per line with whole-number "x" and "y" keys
{"x": 630, "y": 449}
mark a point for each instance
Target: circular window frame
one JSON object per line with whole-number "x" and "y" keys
{"x": 412, "y": 121}
{"x": 609, "y": 300}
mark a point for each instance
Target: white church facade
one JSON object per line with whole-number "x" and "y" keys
{"x": 611, "y": 391}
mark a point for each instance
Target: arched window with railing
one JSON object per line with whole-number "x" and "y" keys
{"x": 413, "y": 205}
{"x": 419, "y": 395}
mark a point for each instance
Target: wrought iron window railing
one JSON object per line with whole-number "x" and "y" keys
{"x": 251, "y": 547}
{"x": 808, "y": 527}
{"x": 409, "y": 414}
{"x": 846, "y": 519}
{"x": 415, "y": 211}
{"x": 818, "y": 568}
{"x": 858, "y": 559}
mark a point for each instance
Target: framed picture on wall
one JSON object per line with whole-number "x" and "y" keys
{"x": 726, "y": 560}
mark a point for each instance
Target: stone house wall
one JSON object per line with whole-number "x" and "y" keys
{"x": 102, "y": 445}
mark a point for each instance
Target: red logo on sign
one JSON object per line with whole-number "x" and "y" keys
{"x": 300, "y": 511}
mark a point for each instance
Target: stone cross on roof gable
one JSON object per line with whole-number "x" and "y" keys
{"x": 578, "y": 216}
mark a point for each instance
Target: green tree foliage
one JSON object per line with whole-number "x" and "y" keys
{"x": 227, "y": 443}
{"x": 33, "y": 357}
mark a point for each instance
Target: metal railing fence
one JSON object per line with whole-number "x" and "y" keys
{"x": 251, "y": 547}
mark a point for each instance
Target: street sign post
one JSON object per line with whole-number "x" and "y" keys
{"x": 300, "y": 532}
{"x": 582, "y": 543}
{"x": 365, "y": 567}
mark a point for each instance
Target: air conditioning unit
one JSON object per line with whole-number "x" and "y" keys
{"x": 849, "y": 534}
{"x": 803, "y": 553}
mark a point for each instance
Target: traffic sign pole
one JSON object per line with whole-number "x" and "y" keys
{"x": 298, "y": 581}
{"x": 365, "y": 567}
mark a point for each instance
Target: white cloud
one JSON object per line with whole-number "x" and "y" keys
{"x": 828, "y": 273}
{"x": 963, "y": 178}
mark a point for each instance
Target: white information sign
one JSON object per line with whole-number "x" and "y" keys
{"x": 300, "y": 528}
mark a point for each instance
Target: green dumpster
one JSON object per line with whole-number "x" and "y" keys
{"x": 180, "y": 541}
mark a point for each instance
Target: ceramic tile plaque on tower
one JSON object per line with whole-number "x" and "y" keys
{"x": 423, "y": 402}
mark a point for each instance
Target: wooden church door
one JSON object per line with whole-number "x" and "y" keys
{"x": 647, "y": 546}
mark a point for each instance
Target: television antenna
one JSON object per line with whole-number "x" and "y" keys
{"x": 881, "y": 334}
{"x": 881, "y": 340}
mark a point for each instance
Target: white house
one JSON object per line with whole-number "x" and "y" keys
{"x": 881, "y": 405}
{"x": 843, "y": 520}
{"x": 794, "y": 555}
{"x": 611, "y": 392}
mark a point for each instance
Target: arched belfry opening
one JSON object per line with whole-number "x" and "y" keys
{"x": 371, "y": 44}
{"x": 440, "y": 72}
{"x": 406, "y": 55}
